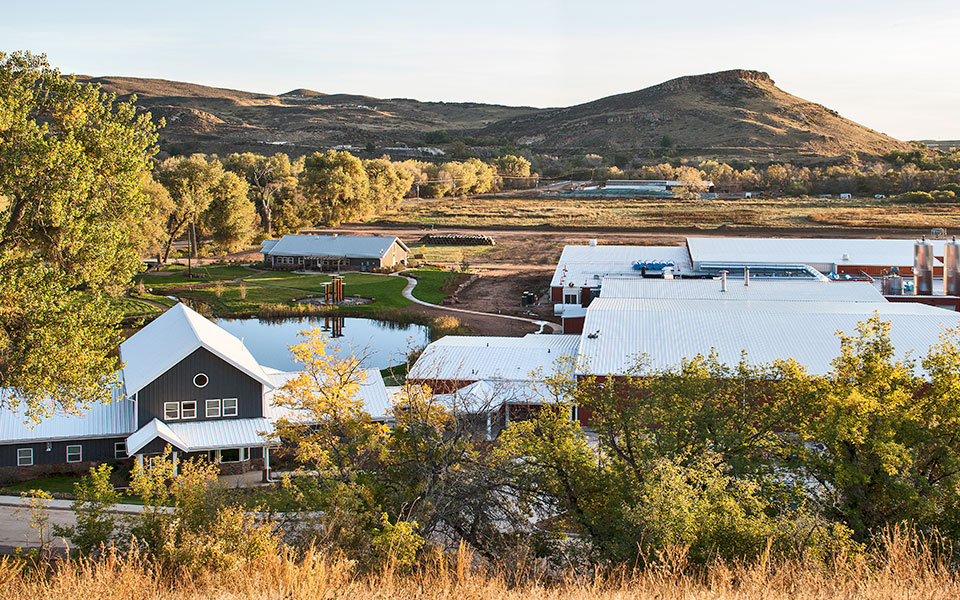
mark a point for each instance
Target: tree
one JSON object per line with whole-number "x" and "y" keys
{"x": 266, "y": 175}
{"x": 388, "y": 184}
{"x": 290, "y": 207}
{"x": 509, "y": 165}
{"x": 190, "y": 182}
{"x": 230, "y": 217}
{"x": 93, "y": 509}
{"x": 336, "y": 186}
{"x": 889, "y": 441}
{"x": 153, "y": 232}
{"x": 72, "y": 166}
{"x": 691, "y": 184}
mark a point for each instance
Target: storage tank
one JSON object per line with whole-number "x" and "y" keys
{"x": 951, "y": 268}
{"x": 923, "y": 267}
{"x": 893, "y": 283}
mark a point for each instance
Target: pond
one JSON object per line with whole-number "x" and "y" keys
{"x": 384, "y": 343}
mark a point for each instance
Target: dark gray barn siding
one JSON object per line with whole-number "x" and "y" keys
{"x": 96, "y": 450}
{"x": 176, "y": 385}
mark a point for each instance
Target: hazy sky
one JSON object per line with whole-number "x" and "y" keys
{"x": 891, "y": 65}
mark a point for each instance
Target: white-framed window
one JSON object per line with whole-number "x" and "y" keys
{"x": 213, "y": 407}
{"x": 74, "y": 453}
{"x": 201, "y": 380}
{"x": 229, "y": 407}
{"x": 24, "y": 457}
{"x": 188, "y": 409}
{"x": 571, "y": 298}
{"x": 119, "y": 450}
{"x": 171, "y": 411}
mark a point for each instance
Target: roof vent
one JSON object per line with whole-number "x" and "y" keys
{"x": 593, "y": 242}
{"x": 846, "y": 256}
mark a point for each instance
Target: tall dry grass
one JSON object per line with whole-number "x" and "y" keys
{"x": 903, "y": 566}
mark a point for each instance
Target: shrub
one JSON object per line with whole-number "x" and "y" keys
{"x": 95, "y": 523}
{"x": 914, "y": 198}
{"x": 396, "y": 544}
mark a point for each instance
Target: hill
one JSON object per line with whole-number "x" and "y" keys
{"x": 726, "y": 114}
{"x": 721, "y": 112}
{"x": 207, "y": 119}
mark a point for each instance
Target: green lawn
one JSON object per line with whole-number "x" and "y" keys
{"x": 171, "y": 275}
{"x": 429, "y": 282}
{"x": 385, "y": 290}
{"x": 62, "y": 484}
{"x": 133, "y": 307}
{"x": 396, "y": 375}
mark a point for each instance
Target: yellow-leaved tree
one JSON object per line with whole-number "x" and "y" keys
{"x": 325, "y": 421}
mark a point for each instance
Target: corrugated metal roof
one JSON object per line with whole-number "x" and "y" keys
{"x": 170, "y": 338}
{"x": 196, "y": 436}
{"x": 585, "y": 266}
{"x": 266, "y": 245}
{"x": 222, "y": 433}
{"x": 488, "y": 395}
{"x": 117, "y": 418}
{"x": 744, "y": 250}
{"x": 376, "y": 401}
{"x": 759, "y": 289}
{"x": 668, "y": 331}
{"x": 331, "y": 245}
{"x": 468, "y": 358}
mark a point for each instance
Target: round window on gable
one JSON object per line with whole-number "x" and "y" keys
{"x": 200, "y": 380}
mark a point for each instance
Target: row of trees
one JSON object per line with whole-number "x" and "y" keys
{"x": 793, "y": 180}
{"x": 232, "y": 200}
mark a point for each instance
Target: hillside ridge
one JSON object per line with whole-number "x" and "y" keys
{"x": 730, "y": 113}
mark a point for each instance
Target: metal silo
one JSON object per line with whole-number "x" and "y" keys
{"x": 951, "y": 268}
{"x": 923, "y": 267}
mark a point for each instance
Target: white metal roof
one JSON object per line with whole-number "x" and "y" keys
{"x": 798, "y": 290}
{"x": 468, "y": 358}
{"x": 377, "y": 402}
{"x": 839, "y": 251}
{"x": 196, "y": 436}
{"x": 117, "y": 418}
{"x": 331, "y": 245}
{"x": 173, "y": 336}
{"x": 585, "y": 266}
{"x": 490, "y": 395}
{"x": 668, "y": 331}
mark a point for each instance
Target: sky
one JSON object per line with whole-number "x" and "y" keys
{"x": 891, "y": 65}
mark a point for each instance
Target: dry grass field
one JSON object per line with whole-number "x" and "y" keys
{"x": 903, "y": 568}
{"x": 706, "y": 215}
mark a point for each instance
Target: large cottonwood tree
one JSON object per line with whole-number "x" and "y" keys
{"x": 73, "y": 162}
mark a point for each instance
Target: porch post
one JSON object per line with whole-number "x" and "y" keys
{"x": 266, "y": 464}
{"x": 175, "y": 464}
{"x": 140, "y": 460}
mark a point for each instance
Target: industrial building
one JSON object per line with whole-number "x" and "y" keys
{"x": 334, "y": 252}
{"x": 903, "y": 270}
{"x": 641, "y": 309}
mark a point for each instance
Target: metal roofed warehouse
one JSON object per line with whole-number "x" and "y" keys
{"x": 460, "y": 360}
{"x": 825, "y": 255}
{"x": 617, "y": 331}
{"x": 759, "y": 289}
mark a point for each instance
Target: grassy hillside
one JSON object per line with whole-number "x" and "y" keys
{"x": 738, "y": 113}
